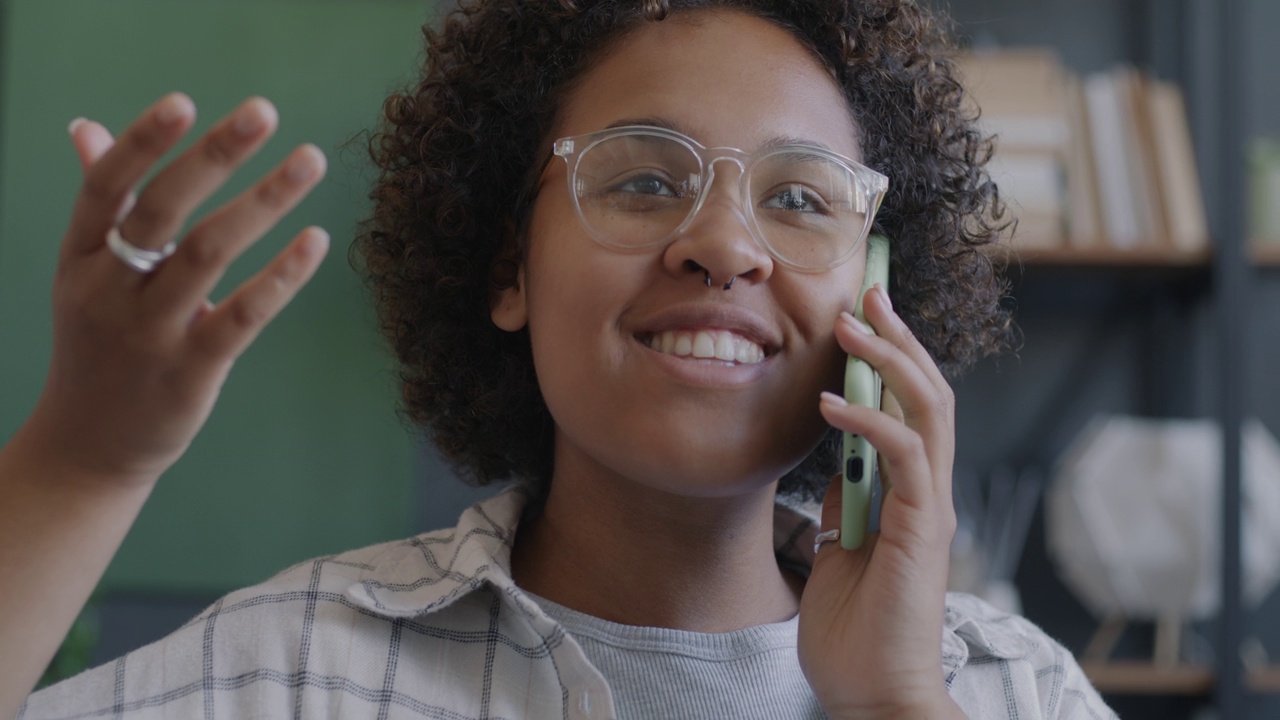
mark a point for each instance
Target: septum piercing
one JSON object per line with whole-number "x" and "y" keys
{"x": 708, "y": 279}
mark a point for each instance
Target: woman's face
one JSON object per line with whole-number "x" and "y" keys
{"x": 622, "y": 408}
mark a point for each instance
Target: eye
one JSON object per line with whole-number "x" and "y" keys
{"x": 795, "y": 197}
{"x": 646, "y": 183}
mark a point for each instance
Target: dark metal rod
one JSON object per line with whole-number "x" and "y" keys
{"x": 1232, "y": 275}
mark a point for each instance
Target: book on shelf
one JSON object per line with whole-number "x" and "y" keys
{"x": 1021, "y": 98}
{"x": 1083, "y": 203}
{"x": 1264, "y": 199}
{"x": 1101, "y": 161}
{"x": 1188, "y": 228}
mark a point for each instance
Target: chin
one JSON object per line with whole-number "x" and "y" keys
{"x": 707, "y": 475}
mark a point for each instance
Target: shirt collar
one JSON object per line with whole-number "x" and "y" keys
{"x": 429, "y": 572}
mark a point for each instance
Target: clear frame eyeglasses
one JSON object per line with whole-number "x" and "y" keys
{"x": 639, "y": 186}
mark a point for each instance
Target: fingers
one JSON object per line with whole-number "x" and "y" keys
{"x": 91, "y": 141}
{"x": 879, "y": 312}
{"x": 224, "y": 331}
{"x": 832, "y": 518}
{"x": 926, "y": 398}
{"x": 112, "y": 176}
{"x": 901, "y": 447}
{"x": 203, "y": 256}
{"x": 913, "y": 380}
{"x": 179, "y": 188}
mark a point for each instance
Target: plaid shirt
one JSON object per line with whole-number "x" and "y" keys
{"x": 434, "y": 627}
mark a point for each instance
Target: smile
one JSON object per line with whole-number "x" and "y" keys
{"x": 721, "y": 345}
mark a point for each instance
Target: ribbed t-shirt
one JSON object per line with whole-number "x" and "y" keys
{"x": 659, "y": 673}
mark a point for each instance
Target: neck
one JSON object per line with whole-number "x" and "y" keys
{"x": 635, "y": 555}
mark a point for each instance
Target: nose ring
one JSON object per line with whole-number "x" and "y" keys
{"x": 708, "y": 279}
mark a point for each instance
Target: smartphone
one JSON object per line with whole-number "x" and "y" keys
{"x": 862, "y": 386}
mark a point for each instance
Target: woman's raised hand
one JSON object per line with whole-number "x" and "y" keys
{"x": 871, "y": 619}
{"x": 139, "y": 358}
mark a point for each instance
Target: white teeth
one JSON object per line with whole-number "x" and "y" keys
{"x": 703, "y": 345}
{"x": 668, "y": 343}
{"x": 707, "y": 345}
{"x": 724, "y": 347}
{"x": 683, "y": 345}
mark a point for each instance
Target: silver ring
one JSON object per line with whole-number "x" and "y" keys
{"x": 825, "y": 536}
{"x": 144, "y": 261}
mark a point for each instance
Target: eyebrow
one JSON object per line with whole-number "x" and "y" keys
{"x": 773, "y": 142}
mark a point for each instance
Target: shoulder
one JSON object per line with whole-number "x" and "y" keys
{"x": 1000, "y": 665}
{"x": 260, "y": 647}
{"x": 386, "y": 625}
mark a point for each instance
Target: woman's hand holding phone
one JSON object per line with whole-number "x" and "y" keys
{"x": 870, "y": 638}
{"x": 138, "y": 358}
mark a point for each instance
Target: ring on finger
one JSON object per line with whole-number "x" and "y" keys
{"x": 144, "y": 261}
{"x": 825, "y": 537}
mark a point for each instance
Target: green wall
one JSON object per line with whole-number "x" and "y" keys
{"x": 304, "y": 454}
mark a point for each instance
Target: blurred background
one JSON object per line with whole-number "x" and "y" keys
{"x": 1138, "y": 141}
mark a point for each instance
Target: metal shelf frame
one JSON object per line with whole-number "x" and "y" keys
{"x": 1233, "y": 275}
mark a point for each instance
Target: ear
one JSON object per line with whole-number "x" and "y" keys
{"x": 509, "y": 310}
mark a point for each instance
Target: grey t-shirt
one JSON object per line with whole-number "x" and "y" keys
{"x": 659, "y": 673}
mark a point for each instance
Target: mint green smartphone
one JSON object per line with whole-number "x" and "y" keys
{"x": 862, "y": 386}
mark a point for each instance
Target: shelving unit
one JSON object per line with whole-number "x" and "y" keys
{"x": 1101, "y": 255}
{"x": 1204, "y": 46}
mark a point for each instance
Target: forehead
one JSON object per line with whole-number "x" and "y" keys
{"x": 721, "y": 77}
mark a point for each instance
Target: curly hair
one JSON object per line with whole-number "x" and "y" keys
{"x": 457, "y": 152}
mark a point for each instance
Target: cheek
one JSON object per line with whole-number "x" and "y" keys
{"x": 576, "y": 294}
{"x": 817, "y": 307}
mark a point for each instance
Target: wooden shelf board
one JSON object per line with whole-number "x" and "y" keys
{"x": 1136, "y": 677}
{"x": 1102, "y": 255}
{"x": 1265, "y": 253}
{"x": 1144, "y": 678}
{"x": 1265, "y": 679}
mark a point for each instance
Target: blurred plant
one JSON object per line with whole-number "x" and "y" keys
{"x": 993, "y": 516}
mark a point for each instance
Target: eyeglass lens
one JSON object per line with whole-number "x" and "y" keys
{"x": 636, "y": 190}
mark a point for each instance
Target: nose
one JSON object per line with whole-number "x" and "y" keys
{"x": 716, "y": 244}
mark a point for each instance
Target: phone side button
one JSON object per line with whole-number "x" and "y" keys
{"x": 853, "y": 469}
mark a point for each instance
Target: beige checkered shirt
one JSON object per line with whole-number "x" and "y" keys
{"x": 433, "y": 626}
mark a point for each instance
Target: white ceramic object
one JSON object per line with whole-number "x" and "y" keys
{"x": 1133, "y": 516}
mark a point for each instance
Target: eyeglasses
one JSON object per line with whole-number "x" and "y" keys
{"x": 637, "y": 187}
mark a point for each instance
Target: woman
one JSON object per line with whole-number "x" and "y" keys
{"x": 615, "y": 247}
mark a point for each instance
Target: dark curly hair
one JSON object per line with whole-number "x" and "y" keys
{"x": 458, "y": 151}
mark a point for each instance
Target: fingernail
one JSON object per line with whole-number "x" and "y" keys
{"x": 834, "y": 399}
{"x": 255, "y": 114}
{"x": 172, "y": 108}
{"x": 75, "y": 125}
{"x": 302, "y": 166}
{"x": 856, "y": 323}
{"x": 884, "y": 294}
{"x": 315, "y": 243}
{"x": 248, "y": 121}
